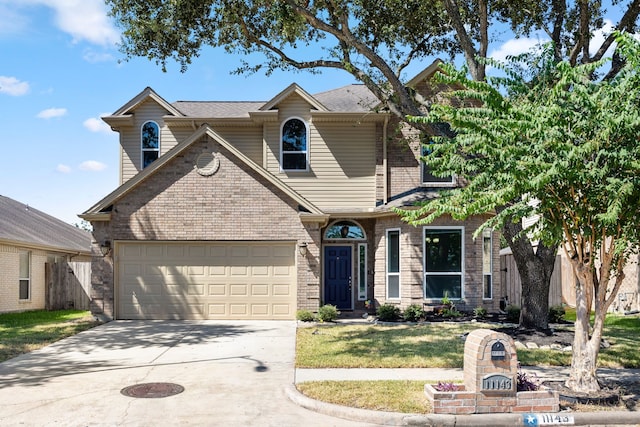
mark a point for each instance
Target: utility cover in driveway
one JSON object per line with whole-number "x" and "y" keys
{"x": 152, "y": 390}
{"x": 206, "y": 280}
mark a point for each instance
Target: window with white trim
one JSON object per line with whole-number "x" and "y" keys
{"x": 393, "y": 264}
{"x": 428, "y": 179}
{"x": 24, "y": 280}
{"x": 294, "y": 145}
{"x": 150, "y": 143}
{"x": 443, "y": 262}
{"x": 487, "y": 264}
{"x": 362, "y": 271}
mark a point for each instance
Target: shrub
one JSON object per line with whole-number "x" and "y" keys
{"x": 556, "y": 314}
{"x": 513, "y": 313}
{"x": 450, "y": 313}
{"x": 328, "y": 313}
{"x": 445, "y": 386}
{"x": 388, "y": 312}
{"x": 413, "y": 313}
{"x": 305, "y": 316}
{"x": 526, "y": 383}
{"x": 480, "y": 312}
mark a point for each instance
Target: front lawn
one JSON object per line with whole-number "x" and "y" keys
{"x": 30, "y": 330}
{"x": 426, "y": 346}
{"x": 439, "y": 345}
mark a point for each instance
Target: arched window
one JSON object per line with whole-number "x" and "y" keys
{"x": 150, "y": 143}
{"x": 294, "y": 148}
{"x": 344, "y": 230}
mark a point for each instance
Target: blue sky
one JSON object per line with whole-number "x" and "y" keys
{"x": 60, "y": 71}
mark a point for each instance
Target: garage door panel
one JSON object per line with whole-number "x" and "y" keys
{"x": 209, "y": 280}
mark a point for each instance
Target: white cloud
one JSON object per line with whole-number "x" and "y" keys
{"x": 12, "y": 86}
{"x": 84, "y": 20}
{"x": 516, "y": 47}
{"x": 92, "y": 166}
{"x": 97, "y": 125}
{"x": 50, "y": 113}
{"x": 63, "y": 168}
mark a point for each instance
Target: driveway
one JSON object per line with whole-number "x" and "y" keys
{"x": 234, "y": 373}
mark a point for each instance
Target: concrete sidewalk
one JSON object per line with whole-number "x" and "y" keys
{"x": 552, "y": 373}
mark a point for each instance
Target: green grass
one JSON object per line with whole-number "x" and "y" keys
{"x": 367, "y": 346}
{"x": 438, "y": 345}
{"x": 27, "y": 331}
{"x": 394, "y": 396}
{"x": 422, "y": 346}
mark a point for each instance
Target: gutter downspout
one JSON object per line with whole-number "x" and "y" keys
{"x": 385, "y": 190}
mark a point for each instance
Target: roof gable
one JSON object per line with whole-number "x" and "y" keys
{"x": 20, "y": 223}
{"x": 143, "y": 96}
{"x": 291, "y": 89}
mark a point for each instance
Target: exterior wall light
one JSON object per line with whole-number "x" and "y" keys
{"x": 105, "y": 247}
{"x": 302, "y": 248}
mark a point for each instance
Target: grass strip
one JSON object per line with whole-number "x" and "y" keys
{"x": 30, "y": 330}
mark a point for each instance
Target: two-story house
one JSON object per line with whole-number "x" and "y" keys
{"x": 253, "y": 210}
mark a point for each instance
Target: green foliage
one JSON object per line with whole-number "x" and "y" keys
{"x": 450, "y": 313}
{"x": 556, "y": 313}
{"x": 513, "y": 313}
{"x": 305, "y": 316}
{"x": 327, "y": 313}
{"x": 413, "y": 313}
{"x": 480, "y": 312}
{"x": 388, "y": 312}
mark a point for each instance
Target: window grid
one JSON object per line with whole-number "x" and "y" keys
{"x": 149, "y": 143}
{"x": 487, "y": 264}
{"x": 426, "y": 178}
{"x": 393, "y": 264}
{"x": 448, "y": 275}
{"x": 24, "y": 281}
{"x": 362, "y": 271}
{"x": 294, "y": 145}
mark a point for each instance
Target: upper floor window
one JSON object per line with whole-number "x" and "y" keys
{"x": 294, "y": 149}
{"x": 428, "y": 178}
{"x": 150, "y": 143}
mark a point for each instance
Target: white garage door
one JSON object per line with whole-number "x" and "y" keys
{"x": 221, "y": 280}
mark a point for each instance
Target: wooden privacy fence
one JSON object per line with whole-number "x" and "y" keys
{"x": 67, "y": 285}
{"x": 513, "y": 284}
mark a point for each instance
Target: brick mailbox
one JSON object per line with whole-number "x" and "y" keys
{"x": 490, "y": 381}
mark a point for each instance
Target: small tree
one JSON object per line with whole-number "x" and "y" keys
{"x": 562, "y": 146}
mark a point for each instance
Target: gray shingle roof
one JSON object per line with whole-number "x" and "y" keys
{"x": 354, "y": 98}
{"x": 218, "y": 109}
{"x": 22, "y": 223}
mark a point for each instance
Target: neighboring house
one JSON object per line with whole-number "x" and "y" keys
{"x": 257, "y": 209}
{"x": 36, "y": 253}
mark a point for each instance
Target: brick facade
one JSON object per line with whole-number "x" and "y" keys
{"x": 178, "y": 204}
{"x": 412, "y": 263}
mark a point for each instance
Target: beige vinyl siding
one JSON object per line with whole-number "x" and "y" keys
{"x": 341, "y": 160}
{"x": 246, "y": 139}
{"x": 130, "y": 152}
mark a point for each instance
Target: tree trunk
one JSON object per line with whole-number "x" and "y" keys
{"x": 583, "y": 377}
{"x": 535, "y": 267}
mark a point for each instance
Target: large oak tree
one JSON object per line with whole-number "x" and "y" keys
{"x": 375, "y": 41}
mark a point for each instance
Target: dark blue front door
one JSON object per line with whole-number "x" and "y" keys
{"x": 337, "y": 276}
